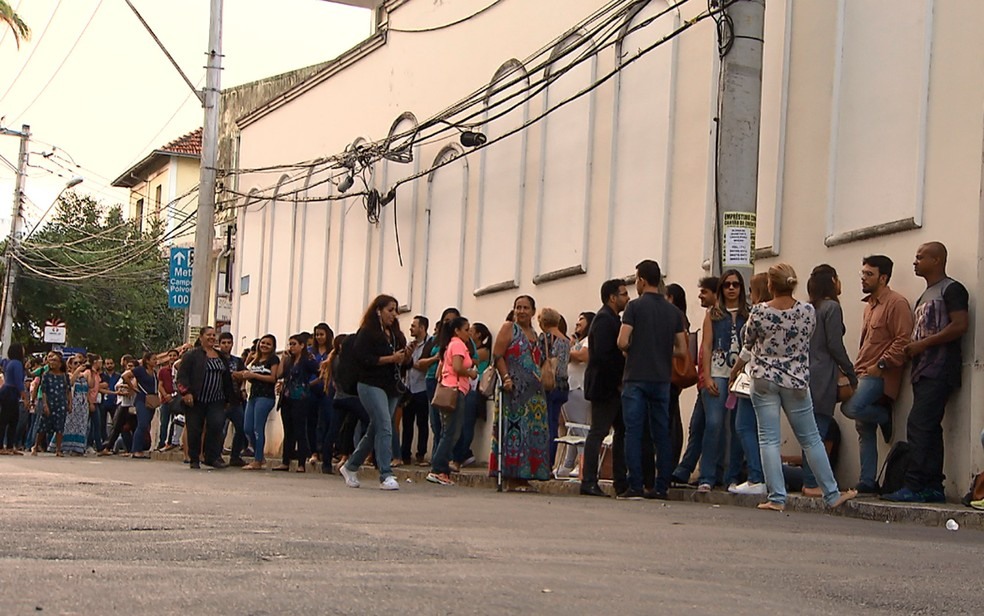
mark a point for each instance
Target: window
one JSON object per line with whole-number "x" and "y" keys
{"x": 447, "y": 202}
{"x": 502, "y": 183}
{"x": 157, "y": 202}
{"x": 138, "y": 213}
{"x": 565, "y": 164}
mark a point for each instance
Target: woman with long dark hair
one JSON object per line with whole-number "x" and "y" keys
{"x": 205, "y": 385}
{"x": 480, "y": 343}
{"x": 81, "y": 383}
{"x": 526, "y": 444}
{"x": 298, "y": 370}
{"x": 11, "y": 395}
{"x": 456, "y": 370}
{"x": 555, "y": 345}
{"x": 143, "y": 381}
{"x": 319, "y": 413}
{"x": 678, "y": 297}
{"x": 54, "y": 404}
{"x": 828, "y": 357}
{"x": 262, "y": 372}
{"x": 379, "y": 356}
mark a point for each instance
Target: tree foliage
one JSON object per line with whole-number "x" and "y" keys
{"x": 101, "y": 276}
{"x": 10, "y": 17}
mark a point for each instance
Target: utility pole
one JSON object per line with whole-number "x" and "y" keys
{"x": 739, "y": 116}
{"x": 13, "y": 269}
{"x": 201, "y": 274}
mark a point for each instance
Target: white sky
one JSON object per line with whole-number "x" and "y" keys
{"x": 117, "y": 97}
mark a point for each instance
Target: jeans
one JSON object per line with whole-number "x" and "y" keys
{"x": 713, "y": 445}
{"x": 294, "y": 417}
{"x": 208, "y": 416}
{"x": 641, "y": 400}
{"x": 433, "y": 413}
{"x": 312, "y": 414}
{"x": 605, "y": 415}
{"x": 676, "y": 424}
{"x": 745, "y": 441}
{"x": 450, "y": 431}
{"x": 823, "y": 425}
{"x": 327, "y": 430}
{"x": 924, "y": 431}
{"x": 555, "y": 401}
{"x": 462, "y": 449}
{"x": 867, "y": 413}
{"x": 769, "y": 399}
{"x": 257, "y": 412}
{"x": 141, "y": 437}
{"x": 349, "y": 412}
{"x": 379, "y": 436}
{"x": 167, "y": 410}
{"x": 417, "y": 411}
{"x": 236, "y": 416}
{"x": 694, "y": 442}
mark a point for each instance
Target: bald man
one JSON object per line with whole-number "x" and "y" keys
{"x": 940, "y": 322}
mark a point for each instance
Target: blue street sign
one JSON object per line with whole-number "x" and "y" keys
{"x": 179, "y": 278}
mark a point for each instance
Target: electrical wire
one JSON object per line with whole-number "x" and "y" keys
{"x": 30, "y": 55}
{"x": 447, "y": 25}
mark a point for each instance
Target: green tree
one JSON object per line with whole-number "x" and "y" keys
{"x": 10, "y": 17}
{"x": 102, "y": 276}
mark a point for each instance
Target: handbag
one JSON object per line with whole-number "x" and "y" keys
{"x": 548, "y": 370}
{"x": 151, "y": 401}
{"x": 487, "y": 382}
{"x": 742, "y": 386}
{"x": 445, "y": 398}
{"x": 684, "y": 370}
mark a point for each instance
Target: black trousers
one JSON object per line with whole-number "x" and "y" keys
{"x": 9, "y": 415}
{"x": 294, "y": 417}
{"x": 676, "y": 425}
{"x": 122, "y": 418}
{"x": 208, "y": 416}
{"x": 924, "y": 430}
{"x": 417, "y": 411}
{"x": 236, "y": 415}
{"x": 348, "y": 412}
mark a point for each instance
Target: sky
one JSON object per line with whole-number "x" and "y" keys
{"x": 92, "y": 83}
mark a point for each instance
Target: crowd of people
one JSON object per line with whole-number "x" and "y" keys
{"x": 380, "y": 396}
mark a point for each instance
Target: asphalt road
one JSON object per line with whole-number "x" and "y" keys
{"x": 108, "y": 536}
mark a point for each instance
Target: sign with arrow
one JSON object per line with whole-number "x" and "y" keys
{"x": 179, "y": 278}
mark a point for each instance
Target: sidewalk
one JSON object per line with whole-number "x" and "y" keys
{"x": 864, "y": 508}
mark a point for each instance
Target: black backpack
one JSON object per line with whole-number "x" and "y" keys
{"x": 347, "y": 372}
{"x": 892, "y": 476}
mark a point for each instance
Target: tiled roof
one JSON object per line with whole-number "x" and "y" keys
{"x": 190, "y": 144}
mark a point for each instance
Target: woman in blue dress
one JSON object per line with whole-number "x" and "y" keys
{"x": 54, "y": 404}
{"x": 77, "y": 421}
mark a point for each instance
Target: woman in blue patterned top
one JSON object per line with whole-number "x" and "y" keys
{"x": 777, "y": 347}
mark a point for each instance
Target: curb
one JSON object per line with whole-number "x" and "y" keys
{"x": 931, "y": 515}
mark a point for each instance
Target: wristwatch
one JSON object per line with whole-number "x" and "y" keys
{"x": 882, "y": 365}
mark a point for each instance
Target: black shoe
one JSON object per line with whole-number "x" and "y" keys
{"x": 326, "y": 469}
{"x": 630, "y": 494}
{"x": 655, "y": 495}
{"x": 237, "y": 462}
{"x": 219, "y": 463}
{"x": 886, "y": 428}
{"x": 194, "y": 466}
{"x": 592, "y": 489}
{"x": 868, "y": 488}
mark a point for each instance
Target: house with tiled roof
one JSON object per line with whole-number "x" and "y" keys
{"x": 159, "y": 185}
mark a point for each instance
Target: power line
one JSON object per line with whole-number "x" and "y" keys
{"x": 447, "y": 25}
{"x": 31, "y": 54}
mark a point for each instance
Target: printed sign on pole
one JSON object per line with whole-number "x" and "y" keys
{"x": 179, "y": 278}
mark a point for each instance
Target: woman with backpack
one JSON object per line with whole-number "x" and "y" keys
{"x": 379, "y": 356}
{"x": 298, "y": 370}
{"x": 262, "y": 371}
{"x": 343, "y": 374}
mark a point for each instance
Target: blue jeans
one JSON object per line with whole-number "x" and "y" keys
{"x": 555, "y": 401}
{"x": 769, "y": 399}
{"x": 379, "y": 435}
{"x": 823, "y": 425}
{"x": 141, "y": 437}
{"x": 745, "y": 428}
{"x": 435, "y": 415}
{"x": 715, "y": 435}
{"x": 694, "y": 442}
{"x": 867, "y": 414}
{"x": 463, "y": 450}
{"x": 642, "y": 399}
{"x": 257, "y": 412}
{"x": 165, "y": 423}
{"x": 236, "y": 416}
{"x": 450, "y": 431}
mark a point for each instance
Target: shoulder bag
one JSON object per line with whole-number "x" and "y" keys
{"x": 445, "y": 398}
{"x": 152, "y": 401}
{"x": 488, "y": 380}
{"x": 548, "y": 371}
{"x": 684, "y": 370}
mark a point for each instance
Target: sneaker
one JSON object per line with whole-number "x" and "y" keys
{"x": 905, "y": 495}
{"x": 433, "y": 478}
{"x": 630, "y": 494}
{"x": 933, "y": 496}
{"x": 351, "y": 478}
{"x": 454, "y": 466}
{"x": 468, "y": 461}
{"x": 733, "y": 488}
{"x": 562, "y": 473}
{"x": 867, "y": 488}
{"x": 978, "y": 504}
{"x": 704, "y": 488}
{"x": 748, "y": 487}
{"x": 440, "y": 478}
{"x": 655, "y": 494}
{"x": 237, "y": 462}
{"x": 390, "y": 483}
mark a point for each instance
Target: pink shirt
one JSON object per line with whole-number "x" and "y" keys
{"x": 448, "y": 376}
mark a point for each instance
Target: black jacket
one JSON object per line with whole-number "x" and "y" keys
{"x": 603, "y": 376}
{"x": 191, "y": 374}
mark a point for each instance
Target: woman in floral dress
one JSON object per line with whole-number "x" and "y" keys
{"x": 54, "y": 404}
{"x": 526, "y": 447}
{"x": 77, "y": 421}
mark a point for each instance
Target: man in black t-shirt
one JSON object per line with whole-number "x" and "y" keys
{"x": 235, "y": 410}
{"x": 651, "y": 334}
{"x": 940, "y": 322}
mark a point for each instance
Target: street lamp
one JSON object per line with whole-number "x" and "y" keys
{"x": 70, "y": 184}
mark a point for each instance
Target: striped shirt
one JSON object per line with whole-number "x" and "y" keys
{"x": 212, "y": 385}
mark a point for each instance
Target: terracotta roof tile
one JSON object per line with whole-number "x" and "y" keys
{"x": 190, "y": 144}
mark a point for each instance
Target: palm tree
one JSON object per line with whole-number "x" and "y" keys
{"x": 12, "y": 19}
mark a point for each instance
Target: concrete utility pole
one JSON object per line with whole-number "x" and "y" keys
{"x": 13, "y": 269}
{"x": 201, "y": 275}
{"x": 739, "y": 116}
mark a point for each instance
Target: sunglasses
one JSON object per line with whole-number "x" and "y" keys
{"x": 731, "y": 285}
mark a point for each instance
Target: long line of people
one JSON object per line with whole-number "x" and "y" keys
{"x": 344, "y": 400}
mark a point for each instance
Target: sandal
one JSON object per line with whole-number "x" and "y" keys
{"x": 844, "y": 497}
{"x": 281, "y": 467}
{"x": 253, "y": 466}
{"x": 300, "y": 469}
{"x": 770, "y": 506}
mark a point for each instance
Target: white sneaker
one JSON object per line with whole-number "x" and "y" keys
{"x": 758, "y": 489}
{"x": 351, "y": 479}
{"x": 390, "y": 483}
{"x": 562, "y": 473}
{"x": 733, "y": 488}
{"x": 469, "y": 461}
